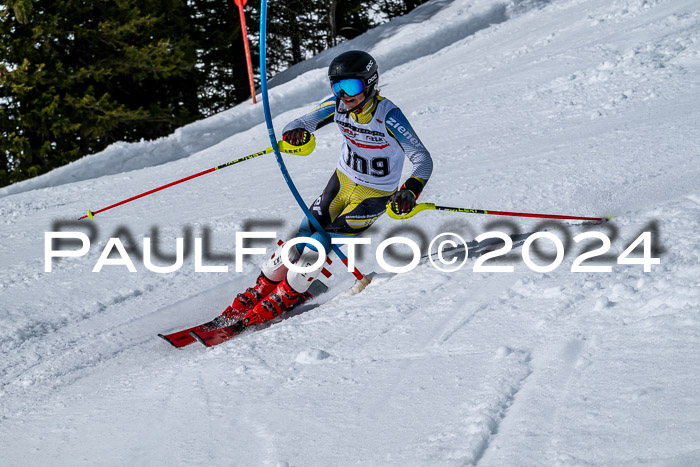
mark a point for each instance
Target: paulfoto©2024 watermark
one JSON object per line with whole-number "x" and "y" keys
{"x": 440, "y": 252}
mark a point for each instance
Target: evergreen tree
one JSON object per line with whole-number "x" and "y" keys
{"x": 76, "y": 76}
{"x": 220, "y": 54}
{"x": 296, "y": 30}
{"x": 348, "y": 19}
{"x": 394, "y": 8}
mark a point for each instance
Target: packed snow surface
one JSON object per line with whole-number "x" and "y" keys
{"x": 580, "y": 107}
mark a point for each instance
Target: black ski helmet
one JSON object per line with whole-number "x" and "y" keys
{"x": 356, "y": 64}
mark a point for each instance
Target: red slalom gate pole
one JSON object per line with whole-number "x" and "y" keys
{"x": 244, "y": 32}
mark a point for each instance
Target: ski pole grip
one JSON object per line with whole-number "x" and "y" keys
{"x": 419, "y": 208}
{"x": 303, "y": 150}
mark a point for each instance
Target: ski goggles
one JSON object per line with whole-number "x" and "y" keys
{"x": 350, "y": 87}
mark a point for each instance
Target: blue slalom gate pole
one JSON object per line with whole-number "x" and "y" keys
{"x": 275, "y": 148}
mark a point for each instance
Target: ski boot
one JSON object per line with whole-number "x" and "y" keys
{"x": 281, "y": 300}
{"x": 245, "y": 301}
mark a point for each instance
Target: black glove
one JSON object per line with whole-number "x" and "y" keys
{"x": 296, "y": 136}
{"x": 403, "y": 201}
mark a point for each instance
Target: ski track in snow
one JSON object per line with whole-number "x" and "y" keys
{"x": 586, "y": 107}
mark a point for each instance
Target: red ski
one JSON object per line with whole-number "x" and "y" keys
{"x": 183, "y": 338}
{"x": 217, "y": 330}
{"x": 212, "y": 337}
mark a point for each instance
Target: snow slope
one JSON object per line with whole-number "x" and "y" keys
{"x": 582, "y": 107}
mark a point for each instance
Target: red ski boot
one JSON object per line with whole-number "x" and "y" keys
{"x": 245, "y": 301}
{"x": 282, "y": 299}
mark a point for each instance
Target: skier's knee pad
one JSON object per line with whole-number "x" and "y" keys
{"x": 274, "y": 269}
{"x": 301, "y": 281}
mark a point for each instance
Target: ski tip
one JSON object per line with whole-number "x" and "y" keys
{"x": 178, "y": 339}
{"x": 165, "y": 338}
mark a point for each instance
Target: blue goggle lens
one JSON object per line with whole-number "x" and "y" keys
{"x": 350, "y": 87}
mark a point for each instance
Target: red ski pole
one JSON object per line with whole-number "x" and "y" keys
{"x": 304, "y": 150}
{"x": 430, "y": 206}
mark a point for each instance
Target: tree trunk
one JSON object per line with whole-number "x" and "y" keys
{"x": 333, "y": 33}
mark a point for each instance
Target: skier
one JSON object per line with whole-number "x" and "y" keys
{"x": 376, "y": 139}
